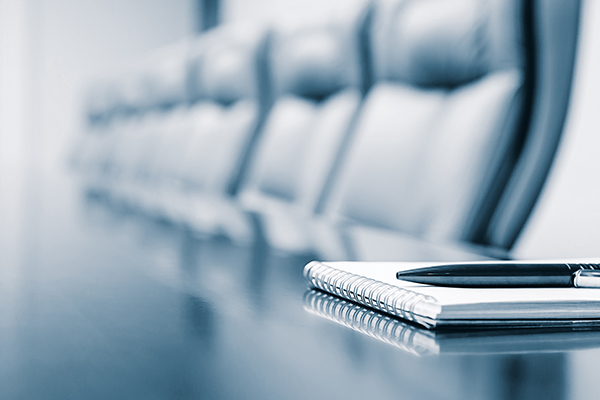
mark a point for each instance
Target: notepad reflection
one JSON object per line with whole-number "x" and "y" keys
{"x": 423, "y": 342}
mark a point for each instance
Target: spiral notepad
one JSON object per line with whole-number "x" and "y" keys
{"x": 405, "y": 304}
{"x": 375, "y": 285}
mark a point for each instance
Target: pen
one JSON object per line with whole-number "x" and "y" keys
{"x": 506, "y": 274}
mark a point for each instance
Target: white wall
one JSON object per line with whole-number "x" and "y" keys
{"x": 77, "y": 41}
{"x": 49, "y": 51}
{"x": 14, "y": 90}
{"x": 566, "y": 221}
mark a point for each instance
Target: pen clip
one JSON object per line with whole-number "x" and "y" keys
{"x": 586, "y": 278}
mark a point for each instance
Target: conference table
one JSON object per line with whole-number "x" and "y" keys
{"x": 100, "y": 302}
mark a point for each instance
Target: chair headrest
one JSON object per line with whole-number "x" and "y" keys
{"x": 225, "y": 65}
{"x": 446, "y": 43}
{"x": 317, "y": 60}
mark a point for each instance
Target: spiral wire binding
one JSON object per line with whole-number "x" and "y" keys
{"x": 368, "y": 292}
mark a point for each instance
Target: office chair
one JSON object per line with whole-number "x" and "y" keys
{"x": 123, "y": 113}
{"x": 229, "y": 94}
{"x": 555, "y": 28}
{"x": 318, "y": 80}
{"x": 443, "y": 125}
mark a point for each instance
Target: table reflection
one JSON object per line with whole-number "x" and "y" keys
{"x": 242, "y": 305}
{"x": 143, "y": 308}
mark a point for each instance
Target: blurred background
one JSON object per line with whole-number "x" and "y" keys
{"x": 60, "y": 59}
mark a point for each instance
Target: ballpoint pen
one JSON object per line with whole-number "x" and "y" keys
{"x": 506, "y": 274}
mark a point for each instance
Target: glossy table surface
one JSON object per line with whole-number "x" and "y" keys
{"x": 102, "y": 303}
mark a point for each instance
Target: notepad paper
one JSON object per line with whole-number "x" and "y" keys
{"x": 374, "y": 284}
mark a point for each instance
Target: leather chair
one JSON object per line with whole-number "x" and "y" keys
{"x": 554, "y": 36}
{"x": 230, "y": 97}
{"x": 545, "y": 36}
{"x": 183, "y": 118}
{"x": 124, "y": 113}
{"x": 441, "y": 129}
{"x": 318, "y": 80}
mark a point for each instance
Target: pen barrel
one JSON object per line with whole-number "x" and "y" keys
{"x": 500, "y": 275}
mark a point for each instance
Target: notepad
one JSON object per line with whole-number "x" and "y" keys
{"x": 424, "y": 342}
{"x": 374, "y": 284}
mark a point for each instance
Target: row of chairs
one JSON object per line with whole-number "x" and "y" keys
{"x": 425, "y": 117}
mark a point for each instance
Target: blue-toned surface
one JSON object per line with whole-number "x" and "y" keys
{"x": 105, "y": 304}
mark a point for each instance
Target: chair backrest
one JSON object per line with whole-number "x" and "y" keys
{"x": 166, "y": 75}
{"x": 231, "y": 97}
{"x": 188, "y": 112}
{"x": 318, "y": 75}
{"x": 554, "y": 33}
{"x": 437, "y": 137}
{"x": 130, "y": 107}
